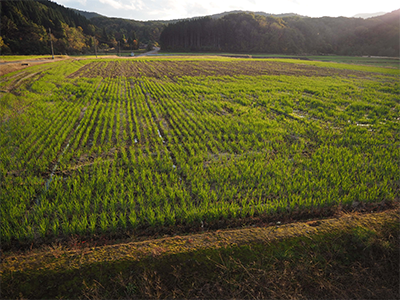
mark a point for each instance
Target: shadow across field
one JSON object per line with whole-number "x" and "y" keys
{"x": 352, "y": 257}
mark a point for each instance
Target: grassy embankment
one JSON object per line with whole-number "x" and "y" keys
{"x": 11, "y": 58}
{"x": 352, "y": 257}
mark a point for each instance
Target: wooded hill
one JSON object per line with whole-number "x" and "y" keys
{"x": 250, "y": 33}
{"x": 124, "y": 29}
{"x": 25, "y": 29}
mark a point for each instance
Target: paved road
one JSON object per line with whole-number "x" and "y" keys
{"x": 152, "y": 52}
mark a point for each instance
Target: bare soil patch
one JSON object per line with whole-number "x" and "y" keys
{"x": 171, "y": 69}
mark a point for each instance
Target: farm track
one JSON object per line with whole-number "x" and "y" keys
{"x": 19, "y": 81}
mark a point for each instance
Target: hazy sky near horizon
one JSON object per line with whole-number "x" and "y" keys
{"x": 144, "y": 10}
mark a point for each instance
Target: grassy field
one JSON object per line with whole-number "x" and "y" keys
{"x": 119, "y": 152}
{"x": 392, "y": 62}
{"x": 115, "y": 146}
{"x": 103, "y": 54}
{"x": 389, "y": 62}
{"x": 11, "y": 58}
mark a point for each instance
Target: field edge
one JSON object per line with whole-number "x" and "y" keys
{"x": 72, "y": 273}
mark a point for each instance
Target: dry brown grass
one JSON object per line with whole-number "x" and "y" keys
{"x": 355, "y": 256}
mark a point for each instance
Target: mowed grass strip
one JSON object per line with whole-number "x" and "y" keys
{"x": 354, "y": 256}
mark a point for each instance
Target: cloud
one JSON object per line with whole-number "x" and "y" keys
{"x": 129, "y": 5}
{"x": 113, "y": 3}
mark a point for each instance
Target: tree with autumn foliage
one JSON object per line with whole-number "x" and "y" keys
{"x": 25, "y": 28}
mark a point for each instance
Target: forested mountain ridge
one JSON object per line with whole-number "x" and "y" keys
{"x": 120, "y": 29}
{"x": 260, "y": 13}
{"x": 247, "y": 32}
{"x": 221, "y": 15}
{"x": 25, "y": 28}
{"x": 150, "y": 31}
{"x": 87, "y": 14}
{"x": 369, "y": 15}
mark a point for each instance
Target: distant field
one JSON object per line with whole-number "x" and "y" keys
{"x": 390, "y": 62}
{"x": 25, "y": 57}
{"x": 118, "y": 146}
{"x": 123, "y": 53}
{"x": 11, "y": 58}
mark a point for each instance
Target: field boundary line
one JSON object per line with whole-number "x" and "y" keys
{"x": 137, "y": 250}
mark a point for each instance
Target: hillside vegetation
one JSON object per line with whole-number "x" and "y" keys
{"x": 247, "y": 32}
{"x": 25, "y": 30}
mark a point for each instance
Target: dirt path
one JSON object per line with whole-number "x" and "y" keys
{"x": 46, "y": 258}
{"x": 11, "y": 66}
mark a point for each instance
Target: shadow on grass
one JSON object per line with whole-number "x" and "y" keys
{"x": 358, "y": 262}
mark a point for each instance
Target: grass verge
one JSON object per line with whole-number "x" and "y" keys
{"x": 10, "y": 58}
{"x": 354, "y": 256}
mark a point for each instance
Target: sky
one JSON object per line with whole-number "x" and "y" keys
{"x": 144, "y": 10}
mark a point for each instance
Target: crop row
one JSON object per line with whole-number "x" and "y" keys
{"x": 111, "y": 154}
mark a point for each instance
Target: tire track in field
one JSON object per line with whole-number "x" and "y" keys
{"x": 50, "y": 179}
{"x": 183, "y": 176}
{"x": 18, "y": 81}
{"x": 160, "y": 131}
{"x": 193, "y": 125}
{"x": 132, "y": 127}
{"x": 105, "y": 92}
{"x": 91, "y": 136}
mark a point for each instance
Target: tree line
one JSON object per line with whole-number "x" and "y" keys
{"x": 25, "y": 28}
{"x": 126, "y": 31}
{"x": 250, "y": 33}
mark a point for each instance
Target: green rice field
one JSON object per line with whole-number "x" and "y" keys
{"x": 110, "y": 146}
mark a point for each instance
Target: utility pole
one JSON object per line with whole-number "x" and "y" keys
{"x": 51, "y": 43}
{"x": 95, "y": 47}
{"x": 119, "y": 49}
